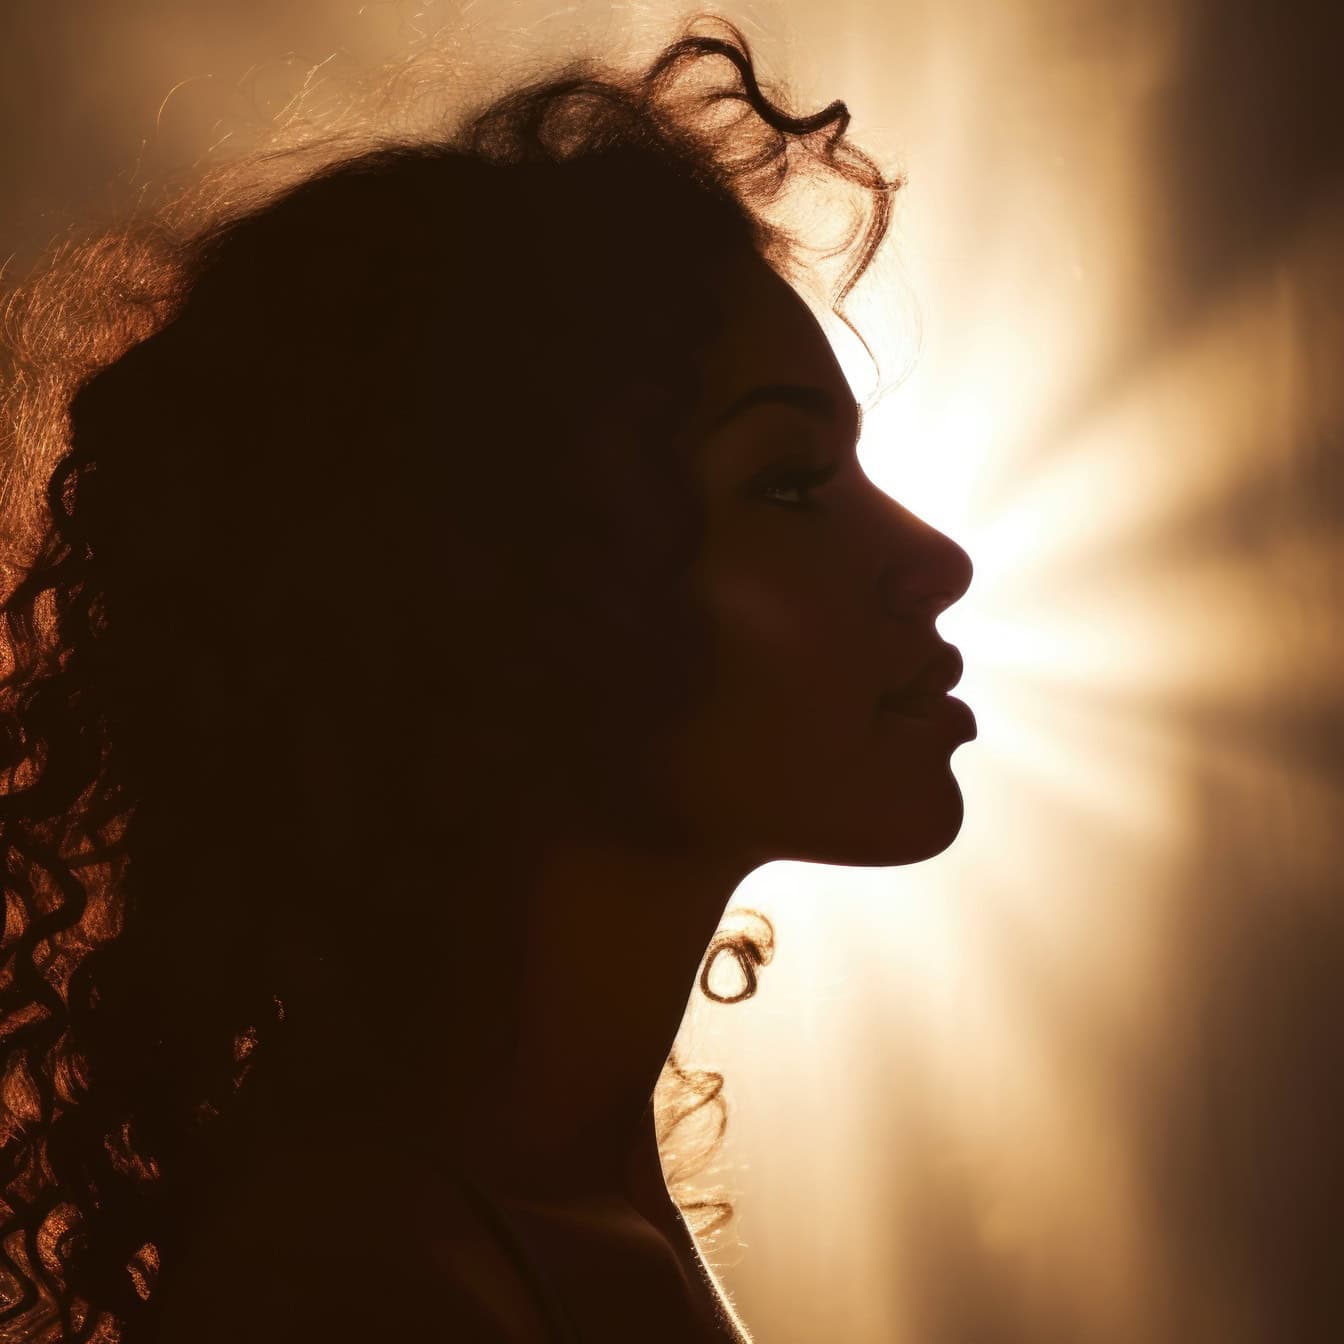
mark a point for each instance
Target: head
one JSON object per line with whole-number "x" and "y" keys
{"x": 417, "y": 529}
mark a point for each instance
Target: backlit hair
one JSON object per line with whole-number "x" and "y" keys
{"x": 267, "y": 416}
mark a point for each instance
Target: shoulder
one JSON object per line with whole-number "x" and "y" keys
{"x": 480, "y": 1280}
{"x": 279, "y": 1258}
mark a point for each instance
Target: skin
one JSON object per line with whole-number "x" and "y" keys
{"x": 816, "y": 612}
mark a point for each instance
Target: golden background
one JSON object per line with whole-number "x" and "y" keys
{"x": 1077, "y": 1078}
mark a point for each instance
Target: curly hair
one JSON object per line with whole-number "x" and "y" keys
{"x": 226, "y": 447}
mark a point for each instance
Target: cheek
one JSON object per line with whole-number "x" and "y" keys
{"x": 785, "y": 647}
{"x": 791, "y": 686}
{"x": 756, "y": 620}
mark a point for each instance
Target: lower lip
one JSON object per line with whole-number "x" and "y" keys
{"x": 946, "y": 711}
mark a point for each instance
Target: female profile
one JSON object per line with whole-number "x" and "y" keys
{"x": 454, "y": 578}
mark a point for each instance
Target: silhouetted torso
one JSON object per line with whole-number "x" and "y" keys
{"x": 317, "y": 1242}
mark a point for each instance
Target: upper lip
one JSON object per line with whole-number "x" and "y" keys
{"x": 939, "y": 673}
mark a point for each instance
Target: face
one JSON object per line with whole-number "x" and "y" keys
{"x": 822, "y": 599}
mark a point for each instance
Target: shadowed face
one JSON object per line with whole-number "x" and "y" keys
{"x": 823, "y": 596}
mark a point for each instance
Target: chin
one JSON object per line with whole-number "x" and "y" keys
{"x": 888, "y": 836}
{"x": 899, "y": 851}
{"x": 925, "y": 831}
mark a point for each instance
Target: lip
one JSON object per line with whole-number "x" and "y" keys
{"x": 940, "y": 672}
{"x": 944, "y": 711}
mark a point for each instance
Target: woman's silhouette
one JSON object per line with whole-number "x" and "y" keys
{"x": 457, "y": 584}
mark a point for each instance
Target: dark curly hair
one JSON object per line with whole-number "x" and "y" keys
{"x": 266, "y": 417}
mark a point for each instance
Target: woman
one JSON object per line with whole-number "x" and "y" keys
{"x": 459, "y": 578}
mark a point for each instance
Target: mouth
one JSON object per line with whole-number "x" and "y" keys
{"x": 924, "y": 698}
{"x": 936, "y": 708}
{"x": 940, "y": 673}
{"x": 912, "y": 705}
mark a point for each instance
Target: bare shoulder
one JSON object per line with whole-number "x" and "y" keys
{"x": 329, "y": 1246}
{"x": 285, "y": 1258}
{"x": 621, "y": 1276}
{"x": 481, "y": 1282}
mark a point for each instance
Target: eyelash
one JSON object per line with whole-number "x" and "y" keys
{"x": 805, "y": 482}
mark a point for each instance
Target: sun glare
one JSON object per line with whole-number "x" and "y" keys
{"x": 967, "y": 1032}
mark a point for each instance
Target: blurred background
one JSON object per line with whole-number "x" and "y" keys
{"x": 1077, "y": 1078}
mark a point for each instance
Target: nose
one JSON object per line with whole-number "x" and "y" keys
{"x": 926, "y": 573}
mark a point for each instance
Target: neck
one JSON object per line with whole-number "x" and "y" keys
{"x": 556, "y": 1046}
{"x": 612, "y": 946}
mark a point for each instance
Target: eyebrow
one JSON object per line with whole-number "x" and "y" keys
{"x": 814, "y": 401}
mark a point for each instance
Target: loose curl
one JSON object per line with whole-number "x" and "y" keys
{"x": 169, "y": 420}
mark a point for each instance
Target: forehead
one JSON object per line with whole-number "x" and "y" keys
{"x": 768, "y": 335}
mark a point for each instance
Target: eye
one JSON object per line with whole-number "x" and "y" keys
{"x": 800, "y": 483}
